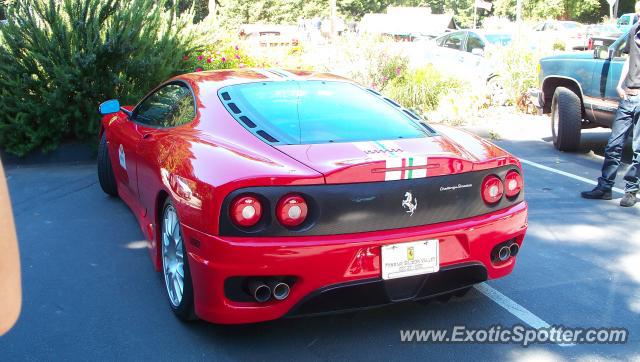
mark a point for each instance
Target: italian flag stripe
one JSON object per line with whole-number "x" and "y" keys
{"x": 406, "y": 168}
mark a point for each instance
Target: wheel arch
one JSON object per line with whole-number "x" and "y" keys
{"x": 161, "y": 197}
{"x": 551, "y": 83}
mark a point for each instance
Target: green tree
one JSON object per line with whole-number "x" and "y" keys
{"x": 562, "y": 9}
{"x": 234, "y": 13}
{"x": 355, "y": 9}
{"x": 3, "y": 8}
{"x": 60, "y": 59}
{"x": 200, "y": 8}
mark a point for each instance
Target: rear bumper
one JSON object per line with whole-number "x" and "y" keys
{"x": 373, "y": 293}
{"x": 342, "y": 272}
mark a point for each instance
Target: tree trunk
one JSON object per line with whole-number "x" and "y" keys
{"x": 212, "y": 9}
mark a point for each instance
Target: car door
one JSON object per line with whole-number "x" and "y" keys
{"x": 477, "y": 64}
{"x": 474, "y": 41}
{"x": 452, "y": 53}
{"x": 455, "y": 41}
{"x": 601, "y": 98}
{"x": 124, "y": 135}
{"x": 159, "y": 116}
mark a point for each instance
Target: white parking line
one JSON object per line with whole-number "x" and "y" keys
{"x": 514, "y": 308}
{"x": 567, "y": 174}
{"x": 509, "y": 304}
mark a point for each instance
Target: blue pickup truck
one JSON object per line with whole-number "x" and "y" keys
{"x": 579, "y": 91}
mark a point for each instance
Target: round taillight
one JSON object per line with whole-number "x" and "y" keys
{"x": 492, "y": 189}
{"x": 246, "y": 211}
{"x": 512, "y": 184}
{"x": 292, "y": 210}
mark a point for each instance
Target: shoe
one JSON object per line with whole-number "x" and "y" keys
{"x": 597, "y": 193}
{"x": 628, "y": 200}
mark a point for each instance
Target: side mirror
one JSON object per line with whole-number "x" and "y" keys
{"x": 110, "y": 106}
{"x": 477, "y": 51}
{"x": 602, "y": 52}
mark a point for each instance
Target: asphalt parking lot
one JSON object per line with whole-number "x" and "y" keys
{"x": 90, "y": 290}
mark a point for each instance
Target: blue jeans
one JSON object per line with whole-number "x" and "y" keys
{"x": 626, "y": 121}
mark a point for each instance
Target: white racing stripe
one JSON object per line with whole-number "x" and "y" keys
{"x": 570, "y": 175}
{"x": 514, "y": 308}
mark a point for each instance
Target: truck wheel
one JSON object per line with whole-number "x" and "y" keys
{"x": 566, "y": 119}
{"x": 105, "y": 171}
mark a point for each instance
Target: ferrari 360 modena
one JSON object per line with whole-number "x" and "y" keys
{"x": 266, "y": 193}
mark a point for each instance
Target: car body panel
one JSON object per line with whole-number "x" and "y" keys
{"x": 199, "y": 164}
{"x": 358, "y": 161}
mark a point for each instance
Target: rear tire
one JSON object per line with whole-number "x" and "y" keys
{"x": 566, "y": 120}
{"x": 175, "y": 264}
{"x": 105, "y": 171}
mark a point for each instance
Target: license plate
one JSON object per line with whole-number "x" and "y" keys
{"x": 408, "y": 259}
{"x": 598, "y": 42}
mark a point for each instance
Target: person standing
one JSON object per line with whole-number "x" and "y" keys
{"x": 625, "y": 122}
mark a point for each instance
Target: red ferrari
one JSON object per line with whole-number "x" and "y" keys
{"x": 269, "y": 193}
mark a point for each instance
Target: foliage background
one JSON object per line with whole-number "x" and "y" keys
{"x": 60, "y": 59}
{"x": 235, "y": 12}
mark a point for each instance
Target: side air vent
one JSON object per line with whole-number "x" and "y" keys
{"x": 226, "y": 96}
{"x": 428, "y": 128}
{"x": 247, "y": 122}
{"x": 374, "y": 92}
{"x": 392, "y": 102}
{"x": 267, "y": 136}
{"x": 411, "y": 114}
{"x": 234, "y": 108}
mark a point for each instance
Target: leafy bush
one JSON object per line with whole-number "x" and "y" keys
{"x": 459, "y": 106}
{"x": 517, "y": 66}
{"x": 559, "y": 45}
{"x": 60, "y": 59}
{"x": 422, "y": 89}
{"x": 222, "y": 54}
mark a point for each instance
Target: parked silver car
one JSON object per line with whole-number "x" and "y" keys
{"x": 461, "y": 53}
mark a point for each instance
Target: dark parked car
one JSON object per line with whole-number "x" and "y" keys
{"x": 579, "y": 91}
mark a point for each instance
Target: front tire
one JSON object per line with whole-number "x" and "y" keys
{"x": 105, "y": 170}
{"x": 175, "y": 264}
{"x": 566, "y": 120}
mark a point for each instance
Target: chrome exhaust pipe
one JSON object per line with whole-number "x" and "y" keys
{"x": 259, "y": 291}
{"x": 504, "y": 253}
{"x": 280, "y": 290}
{"x": 514, "y": 249}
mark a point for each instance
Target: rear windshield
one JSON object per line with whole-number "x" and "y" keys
{"x": 305, "y": 112}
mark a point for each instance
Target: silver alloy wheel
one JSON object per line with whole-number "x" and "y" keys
{"x": 172, "y": 255}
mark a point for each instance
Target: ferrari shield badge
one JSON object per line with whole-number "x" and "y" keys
{"x": 123, "y": 159}
{"x": 410, "y": 253}
{"x": 409, "y": 203}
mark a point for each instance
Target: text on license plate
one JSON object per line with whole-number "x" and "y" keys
{"x": 408, "y": 259}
